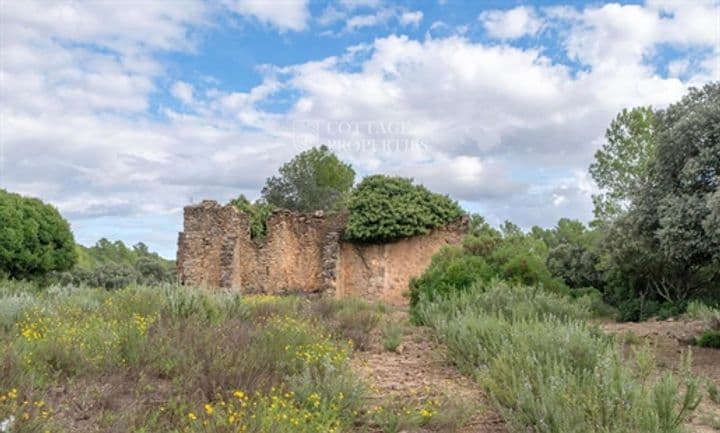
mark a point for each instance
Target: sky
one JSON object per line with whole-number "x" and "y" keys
{"x": 120, "y": 113}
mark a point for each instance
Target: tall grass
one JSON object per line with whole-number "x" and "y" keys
{"x": 201, "y": 348}
{"x": 547, "y": 369}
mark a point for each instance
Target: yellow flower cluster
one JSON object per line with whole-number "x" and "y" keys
{"x": 96, "y": 336}
{"x": 321, "y": 351}
{"x": 261, "y": 299}
{"x": 22, "y": 411}
{"x": 277, "y": 412}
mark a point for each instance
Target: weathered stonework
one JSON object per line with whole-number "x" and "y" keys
{"x": 301, "y": 254}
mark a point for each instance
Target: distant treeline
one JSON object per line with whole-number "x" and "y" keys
{"x": 112, "y": 265}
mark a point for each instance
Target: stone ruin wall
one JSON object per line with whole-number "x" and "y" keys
{"x": 301, "y": 254}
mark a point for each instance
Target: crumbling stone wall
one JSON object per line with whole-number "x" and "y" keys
{"x": 383, "y": 271}
{"x": 300, "y": 254}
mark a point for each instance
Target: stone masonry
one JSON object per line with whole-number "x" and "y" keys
{"x": 301, "y": 253}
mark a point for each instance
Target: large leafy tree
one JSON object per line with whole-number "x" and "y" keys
{"x": 621, "y": 162}
{"x": 34, "y": 238}
{"x": 314, "y": 180}
{"x": 669, "y": 237}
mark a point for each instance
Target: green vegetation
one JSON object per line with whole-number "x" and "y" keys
{"x": 546, "y": 369}
{"x": 392, "y": 334}
{"x": 34, "y": 238}
{"x": 112, "y": 265}
{"x": 384, "y": 208}
{"x": 666, "y": 246}
{"x": 621, "y": 162}
{"x": 313, "y": 180}
{"x": 258, "y": 213}
{"x": 237, "y": 365}
{"x": 486, "y": 254}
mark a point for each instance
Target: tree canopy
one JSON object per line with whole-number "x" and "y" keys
{"x": 34, "y": 238}
{"x": 622, "y": 160}
{"x": 669, "y": 240}
{"x": 313, "y": 180}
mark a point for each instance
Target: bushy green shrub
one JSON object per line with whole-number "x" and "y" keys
{"x": 709, "y": 338}
{"x": 34, "y": 238}
{"x": 451, "y": 269}
{"x": 384, "y": 208}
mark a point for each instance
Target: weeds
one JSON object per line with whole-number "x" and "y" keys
{"x": 713, "y": 392}
{"x": 392, "y": 334}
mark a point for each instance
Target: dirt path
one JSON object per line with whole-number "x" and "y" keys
{"x": 418, "y": 371}
{"x": 671, "y": 339}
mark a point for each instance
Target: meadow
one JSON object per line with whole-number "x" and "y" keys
{"x": 173, "y": 359}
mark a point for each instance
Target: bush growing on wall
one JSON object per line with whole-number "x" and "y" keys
{"x": 385, "y": 208}
{"x": 258, "y": 213}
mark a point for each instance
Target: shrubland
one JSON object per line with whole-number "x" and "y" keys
{"x": 547, "y": 369}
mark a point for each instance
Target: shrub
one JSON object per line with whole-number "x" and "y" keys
{"x": 709, "y": 338}
{"x": 384, "y": 209}
{"x": 698, "y": 310}
{"x": 392, "y": 335}
{"x": 451, "y": 269}
{"x": 34, "y": 238}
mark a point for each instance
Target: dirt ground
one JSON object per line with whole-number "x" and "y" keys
{"x": 419, "y": 369}
{"x": 671, "y": 339}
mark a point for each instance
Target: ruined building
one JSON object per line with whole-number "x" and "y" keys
{"x": 301, "y": 254}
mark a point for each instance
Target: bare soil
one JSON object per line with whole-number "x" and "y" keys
{"x": 418, "y": 370}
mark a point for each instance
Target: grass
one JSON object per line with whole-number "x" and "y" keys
{"x": 175, "y": 359}
{"x": 548, "y": 370}
{"x": 392, "y": 334}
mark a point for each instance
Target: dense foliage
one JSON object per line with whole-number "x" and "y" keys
{"x": 313, "y": 180}
{"x": 486, "y": 254}
{"x": 113, "y": 265}
{"x": 666, "y": 247}
{"x": 34, "y": 238}
{"x": 258, "y": 213}
{"x": 385, "y": 208}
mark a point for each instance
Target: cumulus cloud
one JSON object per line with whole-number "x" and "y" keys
{"x": 511, "y": 24}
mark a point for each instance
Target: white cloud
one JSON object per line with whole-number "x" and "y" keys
{"x": 183, "y": 91}
{"x": 506, "y": 129}
{"x": 284, "y": 14}
{"x": 511, "y": 24}
{"x": 411, "y": 18}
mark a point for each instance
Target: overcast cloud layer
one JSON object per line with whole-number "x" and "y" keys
{"x": 503, "y": 111}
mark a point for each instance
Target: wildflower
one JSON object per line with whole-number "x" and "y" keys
{"x": 192, "y": 416}
{"x": 209, "y": 409}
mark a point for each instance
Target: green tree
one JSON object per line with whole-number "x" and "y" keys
{"x": 385, "y": 208}
{"x": 314, "y": 180}
{"x": 621, "y": 162}
{"x": 34, "y": 238}
{"x": 669, "y": 238}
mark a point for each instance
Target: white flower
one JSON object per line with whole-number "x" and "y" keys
{"x": 7, "y": 423}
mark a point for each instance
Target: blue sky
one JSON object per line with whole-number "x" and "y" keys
{"x": 122, "y": 113}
